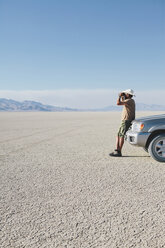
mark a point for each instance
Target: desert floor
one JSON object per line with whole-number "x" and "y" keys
{"x": 60, "y": 188}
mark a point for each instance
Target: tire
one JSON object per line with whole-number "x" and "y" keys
{"x": 157, "y": 148}
{"x": 145, "y": 149}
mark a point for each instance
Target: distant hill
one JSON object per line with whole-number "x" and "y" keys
{"x": 149, "y": 107}
{"x": 12, "y": 105}
{"x": 139, "y": 107}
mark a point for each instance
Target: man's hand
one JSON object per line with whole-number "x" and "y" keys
{"x": 120, "y": 99}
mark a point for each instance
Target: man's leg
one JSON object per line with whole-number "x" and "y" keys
{"x": 121, "y": 143}
{"x": 117, "y": 143}
{"x": 117, "y": 152}
{"x": 120, "y": 139}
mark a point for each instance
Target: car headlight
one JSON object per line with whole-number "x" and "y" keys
{"x": 137, "y": 127}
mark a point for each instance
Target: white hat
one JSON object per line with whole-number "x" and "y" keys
{"x": 129, "y": 91}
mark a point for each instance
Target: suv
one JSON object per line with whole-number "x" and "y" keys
{"x": 149, "y": 133}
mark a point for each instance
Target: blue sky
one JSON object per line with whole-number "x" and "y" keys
{"x": 82, "y": 44}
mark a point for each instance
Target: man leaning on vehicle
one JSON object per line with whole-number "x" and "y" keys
{"x": 128, "y": 115}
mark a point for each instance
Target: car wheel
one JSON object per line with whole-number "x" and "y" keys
{"x": 145, "y": 149}
{"x": 157, "y": 148}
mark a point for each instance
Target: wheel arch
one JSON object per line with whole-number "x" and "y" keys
{"x": 153, "y": 135}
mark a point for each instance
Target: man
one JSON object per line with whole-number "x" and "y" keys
{"x": 128, "y": 115}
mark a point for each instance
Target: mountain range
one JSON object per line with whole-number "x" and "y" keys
{"x": 12, "y": 105}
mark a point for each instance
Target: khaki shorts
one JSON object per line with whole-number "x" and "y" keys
{"x": 124, "y": 128}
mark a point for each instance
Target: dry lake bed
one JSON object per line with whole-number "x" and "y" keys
{"x": 59, "y": 187}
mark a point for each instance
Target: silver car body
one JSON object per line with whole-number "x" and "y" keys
{"x": 152, "y": 125}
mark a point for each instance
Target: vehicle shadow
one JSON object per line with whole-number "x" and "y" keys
{"x": 136, "y": 156}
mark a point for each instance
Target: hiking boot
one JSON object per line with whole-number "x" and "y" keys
{"x": 116, "y": 153}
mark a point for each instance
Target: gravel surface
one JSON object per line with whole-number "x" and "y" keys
{"x": 59, "y": 187}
